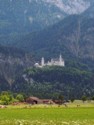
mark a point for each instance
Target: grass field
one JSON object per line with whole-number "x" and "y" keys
{"x": 49, "y": 115}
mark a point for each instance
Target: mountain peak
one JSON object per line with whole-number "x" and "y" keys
{"x": 32, "y": 15}
{"x": 70, "y": 6}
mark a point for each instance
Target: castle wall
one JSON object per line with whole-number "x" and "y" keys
{"x": 59, "y": 62}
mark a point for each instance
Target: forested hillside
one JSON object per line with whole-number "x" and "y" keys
{"x": 50, "y": 82}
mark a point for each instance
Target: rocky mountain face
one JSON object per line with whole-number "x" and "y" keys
{"x": 70, "y": 6}
{"x": 31, "y": 15}
{"x": 12, "y": 63}
{"x": 89, "y": 13}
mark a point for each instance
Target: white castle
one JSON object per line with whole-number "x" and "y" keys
{"x": 53, "y": 62}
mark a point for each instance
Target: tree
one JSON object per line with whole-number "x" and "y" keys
{"x": 20, "y": 97}
{"x": 84, "y": 98}
{"x": 6, "y": 98}
{"x": 72, "y": 100}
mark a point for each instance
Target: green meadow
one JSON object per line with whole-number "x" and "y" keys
{"x": 48, "y": 115}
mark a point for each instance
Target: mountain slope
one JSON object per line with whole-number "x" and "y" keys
{"x": 31, "y": 15}
{"x": 73, "y": 37}
{"x": 12, "y": 63}
{"x": 89, "y": 12}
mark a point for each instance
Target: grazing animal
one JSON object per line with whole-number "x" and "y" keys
{"x": 65, "y": 105}
{"x": 78, "y": 105}
{"x": 2, "y": 107}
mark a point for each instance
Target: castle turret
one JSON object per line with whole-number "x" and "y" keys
{"x": 61, "y": 61}
{"x": 42, "y": 61}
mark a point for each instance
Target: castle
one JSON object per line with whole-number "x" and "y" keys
{"x": 53, "y": 62}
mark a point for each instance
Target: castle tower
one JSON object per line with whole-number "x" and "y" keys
{"x": 61, "y": 61}
{"x": 52, "y": 61}
{"x": 42, "y": 61}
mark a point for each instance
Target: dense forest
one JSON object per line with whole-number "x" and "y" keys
{"x": 50, "y": 82}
